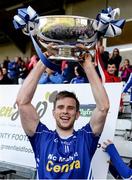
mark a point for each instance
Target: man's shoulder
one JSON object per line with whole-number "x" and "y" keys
{"x": 85, "y": 128}
{"x": 42, "y": 128}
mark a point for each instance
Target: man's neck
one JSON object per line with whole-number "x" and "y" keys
{"x": 64, "y": 133}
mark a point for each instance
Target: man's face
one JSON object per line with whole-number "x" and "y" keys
{"x": 4, "y": 70}
{"x": 65, "y": 113}
{"x": 111, "y": 69}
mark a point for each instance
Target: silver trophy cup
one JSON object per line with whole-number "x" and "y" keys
{"x": 61, "y": 35}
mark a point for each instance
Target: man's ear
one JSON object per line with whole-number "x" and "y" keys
{"x": 77, "y": 115}
{"x": 53, "y": 112}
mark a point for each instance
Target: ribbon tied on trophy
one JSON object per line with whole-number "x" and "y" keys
{"x": 62, "y": 33}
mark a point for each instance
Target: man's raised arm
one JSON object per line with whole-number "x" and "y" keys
{"x": 98, "y": 118}
{"x": 28, "y": 114}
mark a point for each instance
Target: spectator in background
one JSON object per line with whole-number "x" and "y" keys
{"x": 4, "y": 71}
{"x": 27, "y": 61}
{"x": 4, "y": 78}
{"x": 125, "y": 70}
{"x": 23, "y": 72}
{"x": 116, "y": 59}
{"x": 33, "y": 62}
{"x": 50, "y": 77}
{"x": 64, "y": 65}
{"x": 80, "y": 75}
{"x": 5, "y": 62}
{"x": 13, "y": 69}
{"x": 110, "y": 73}
{"x": 123, "y": 170}
{"x": 68, "y": 71}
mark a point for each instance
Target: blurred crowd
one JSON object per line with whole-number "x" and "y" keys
{"x": 16, "y": 70}
{"x": 115, "y": 69}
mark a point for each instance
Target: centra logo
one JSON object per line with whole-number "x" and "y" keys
{"x": 86, "y": 109}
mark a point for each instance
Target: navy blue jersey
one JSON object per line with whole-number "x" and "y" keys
{"x": 58, "y": 158}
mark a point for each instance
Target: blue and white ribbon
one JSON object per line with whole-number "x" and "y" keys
{"x": 26, "y": 19}
{"x": 106, "y": 23}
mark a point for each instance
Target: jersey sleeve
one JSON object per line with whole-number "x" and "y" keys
{"x": 91, "y": 139}
{"x": 35, "y": 140}
{"x": 118, "y": 163}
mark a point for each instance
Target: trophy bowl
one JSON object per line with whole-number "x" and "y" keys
{"x": 62, "y": 33}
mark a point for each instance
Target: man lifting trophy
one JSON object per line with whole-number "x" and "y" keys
{"x": 62, "y": 34}
{"x": 64, "y": 153}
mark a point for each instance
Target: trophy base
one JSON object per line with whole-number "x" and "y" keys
{"x": 61, "y": 58}
{"x": 66, "y": 52}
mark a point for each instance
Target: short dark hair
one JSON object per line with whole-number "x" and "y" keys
{"x": 80, "y": 71}
{"x": 64, "y": 94}
{"x": 111, "y": 63}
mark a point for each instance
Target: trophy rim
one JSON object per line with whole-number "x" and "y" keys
{"x": 65, "y": 16}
